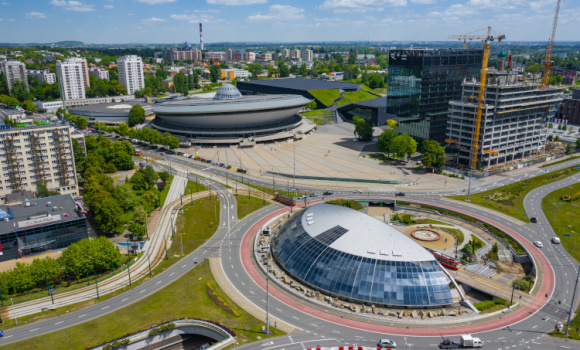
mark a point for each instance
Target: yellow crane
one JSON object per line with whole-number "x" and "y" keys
{"x": 549, "y": 48}
{"x": 481, "y": 96}
{"x": 466, "y": 37}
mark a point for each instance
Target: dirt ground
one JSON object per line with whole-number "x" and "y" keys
{"x": 9, "y": 265}
{"x": 515, "y": 269}
{"x": 380, "y": 211}
{"x": 440, "y": 245}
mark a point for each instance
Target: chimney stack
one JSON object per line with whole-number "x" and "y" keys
{"x": 200, "y": 37}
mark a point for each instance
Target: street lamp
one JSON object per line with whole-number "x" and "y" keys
{"x": 556, "y": 212}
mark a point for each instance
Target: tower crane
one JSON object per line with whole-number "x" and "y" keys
{"x": 466, "y": 37}
{"x": 481, "y": 94}
{"x": 549, "y": 48}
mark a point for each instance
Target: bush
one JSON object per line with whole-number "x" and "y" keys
{"x": 110, "y": 168}
{"x": 488, "y": 304}
{"x": 521, "y": 284}
{"x": 164, "y": 176}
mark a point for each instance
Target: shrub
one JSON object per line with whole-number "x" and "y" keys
{"x": 164, "y": 176}
{"x": 521, "y": 284}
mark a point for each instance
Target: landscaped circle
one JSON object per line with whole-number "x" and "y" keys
{"x": 426, "y": 235}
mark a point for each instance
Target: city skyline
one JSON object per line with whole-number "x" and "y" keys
{"x": 158, "y": 21}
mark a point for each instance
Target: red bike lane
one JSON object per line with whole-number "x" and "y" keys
{"x": 546, "y": 287}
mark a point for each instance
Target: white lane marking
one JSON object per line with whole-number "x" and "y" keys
{"x": 35, "y": 329}
{"x": 142, "y": 291}
{"x": 7, "y": 336}
{"x": 158, "y": 282}
{"x": 534, "y": 326}
{"x": 183, "y": 266}
{"x": 171, "y": 274}
{"x": 103, "y": 308}
{"x": 295, "y": 317}
{"x": 59, "y": 322}
{"x": 83, "y": 315}
{"x": 278, "y": 309}
{"x": 124, "y": 299}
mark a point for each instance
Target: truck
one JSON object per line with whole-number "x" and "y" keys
{"x": 466, "y": 341}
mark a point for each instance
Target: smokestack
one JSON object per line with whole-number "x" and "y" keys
{"x": 510, "y": 62}
{"x": 201, "y": 37}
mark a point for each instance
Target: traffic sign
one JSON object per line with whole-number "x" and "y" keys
{"x": 566, "y": 235}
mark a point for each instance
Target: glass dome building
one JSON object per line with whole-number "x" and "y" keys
{"x": 348, "y": 254}
{"x": 227, "y": 92}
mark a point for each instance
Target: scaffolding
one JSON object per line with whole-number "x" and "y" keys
{"x": 14, "y": 170}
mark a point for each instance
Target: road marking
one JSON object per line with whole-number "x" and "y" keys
{"x": 158, "y": 282}
{"x": 278, "y": 309}
{"x": 333, "y": 331}
{"x": 183, "y": 266}
{"x": 252, "y": 292}
{"x": 144, "y": 290}
{"x": 295, "y": 317}
{"x": 8, "y": 336}
{"x": 59, "y": 322}
{"x": 35, "y": 329}
{"x": 83, "y": 315}
{"x": 171, "y": 274}
{"x": 124, "y": 299}
{"x": 534, "y": 326}
{"x": 106, "y": 307}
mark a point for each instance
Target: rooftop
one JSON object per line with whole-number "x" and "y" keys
{"x": 303, "y": 84}
{"x": 37, "y": 212}
{"x": 353, "y": 232}
{"x": 114, "y": 108}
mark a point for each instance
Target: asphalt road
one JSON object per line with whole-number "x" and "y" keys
{"x": 312, "y": 331}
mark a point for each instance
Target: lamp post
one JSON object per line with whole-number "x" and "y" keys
{"x": 556, "y": 212}
{"x": 96, "y": 283}
{"x": 294, "y": 178}
{"x": 149, "y": 262}
{"x": 268, "y": 293}
{"x": 181, "y": 245}
{"x": 87, "y": 271}
{"x": 572, "y": 302}
{"x": 47, "y": 287}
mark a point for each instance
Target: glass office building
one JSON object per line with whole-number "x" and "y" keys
{"x": 422, "y": 82}
{"x": 351, "y": 255}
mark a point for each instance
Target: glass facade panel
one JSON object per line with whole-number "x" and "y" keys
{"x": 398, "y": 283}
{"x": 422, "y": 82}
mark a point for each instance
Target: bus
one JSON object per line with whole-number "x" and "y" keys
{"x": 284, "y": 199}
{"x": 447, "y": 261}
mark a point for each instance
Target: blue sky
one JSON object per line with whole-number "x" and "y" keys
{"x": 161, "y": 21}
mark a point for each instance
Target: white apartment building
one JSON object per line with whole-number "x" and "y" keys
{"x": 85, "y": 68}
{"x": 306, "y": 55}
{"x": 43, "y": 76}
{"x": 233, "y": 73}
{"x": 99, "y": 73}
{"x": 14, "y": 70}
{"x": 71, "y": 79}
{"x": 130, "y": 70}
{"x": 37, "y": 153}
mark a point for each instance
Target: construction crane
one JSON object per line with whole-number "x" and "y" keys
{"x": 549, "y": 48}
{"x": 466, "y": 37}
{"x": 481, "y": 96}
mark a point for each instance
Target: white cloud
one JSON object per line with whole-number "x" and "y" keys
{"x": 236, "y": 2}
{"x": 72, "y": 5}
{"x": 423, "y": 2}
{"x": 155, "y": 2}
{"x": 11, "y": 20}
{"x": 279, "y": 13}
{"x": 35, "y": 15}
{"x": 360, "y": 5}
{"x": 109, "y": 6}
{"x": 196, "y": 17}
{"x": 5, "y": 3}
{"x": 154, "y": 20}
{"x": 453, "y": 12}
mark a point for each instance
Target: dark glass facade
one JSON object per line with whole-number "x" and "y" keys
{"x": 357, "y": 278}
{"x": 422, "y": 82}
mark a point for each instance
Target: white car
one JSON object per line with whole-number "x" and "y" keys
{"x": 538, "y": 244}
{"x": 357, "y": 191}
{"x": 387, "y": 343}
{"x": 556, "y": 240}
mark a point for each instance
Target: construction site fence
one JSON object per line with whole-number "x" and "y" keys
{"x": 482, "y": 174}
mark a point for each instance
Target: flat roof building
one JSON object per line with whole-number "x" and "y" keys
{"x": 130, "y": 70}
{"x": 421, "y": 83}
{"x": 99, "y": 73}
{"x": 14, "y": 70}
{"x": 43, "y": 76}
{"x": 34, "y": 226}
{"x": 71, "y": 78}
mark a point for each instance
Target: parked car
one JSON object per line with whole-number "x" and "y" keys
{"x": 302, "y": 197}
{"x": 533, "y": 220}
{"x": 1, "y": 333}
{"x": 400, "y": 194}
{"x": 328, "y": 193}
{"x": 162, "y": 153}
{"x": 314, "y": 194}
{"x": 357, "y": 191}
{"x": 538, "y": 244}
{"x": 387, "y": 343}
{"x": 179, "y": 153}
{"x": 556, "y": 240}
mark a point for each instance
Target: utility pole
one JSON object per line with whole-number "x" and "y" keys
{"x": 96, "y": 283}
{"x": 196, "y": 188}
{"x": 87, "y": 271}
{"x": 294, "y": 178}
{"x": 47, "y": 287}
{"x": 468, "y": 184}
{"x": 268, "y": 293}
{"x": 572, "y": 302}
{"x": 112, "y": 268}
{"x": 182, "y": 245}
{"x": 129, "y": 272}
{"x": 149, "y": 262}
{"x": 122, "y": 274}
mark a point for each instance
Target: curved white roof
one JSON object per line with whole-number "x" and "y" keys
{"x": 365, "y": 236}
{"x": 227, "y": 92}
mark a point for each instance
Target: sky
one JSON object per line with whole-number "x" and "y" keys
{"x": 172, "y": 21}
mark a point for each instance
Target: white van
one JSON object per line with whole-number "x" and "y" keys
{"x": 556, "y": 240}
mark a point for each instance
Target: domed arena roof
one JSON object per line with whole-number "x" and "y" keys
{"x": 227, "y": 92}
{"x": 502, "y": 53}
{"x": 349, "y": 254}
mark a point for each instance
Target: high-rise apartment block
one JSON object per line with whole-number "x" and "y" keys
{"x": 32, "y": 154}
{"x": 218, "y": 55}
{"x": 513, "y": 120}
{"x": 14, "y": 70}
{"x": 99, "y": 73}
{"x": 182, "y": 55}
{"x": 85, "y": 68}
{"x": 43, "y": 76}
{"x": 71, "y": 79}
{"x": 421, "y": 83}
{"x": 130, "y": 70}
{"x": 229, "y": 54}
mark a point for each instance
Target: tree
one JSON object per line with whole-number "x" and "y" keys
{"x": 559, "y": 126}
{"x": 29, "y": 106}
{"x": 565, "y": 127}
{"x": 433, "y": 154}
{"x": 557, "y": 139}
{"x": 136, "y": 115}
{"x": 137, "y": 229}
{"x": 303, "y": 70}
{"x": 3, "y": 85}
{"x": 126, "y": 198}
{"x": 214, "y": 71}
{"x": 363, "y": 128}
{"x": 43, "y": 191}
{"x": 550, "y": 138}
{"x": 391, "y": 123}
{"x": 284, "y": 71}
{"x": 404, "y": 145}
{"x": 577, "y": 143}
{"x": 550, "y": 125}
{"x": 311, "y": 105}
{"x": 532, "y": 68}
{"x": 20, "y": 91}
{"x": 109, "y": 216}
{"x": 385, "y": 141}
{"x": 140, "y": 215}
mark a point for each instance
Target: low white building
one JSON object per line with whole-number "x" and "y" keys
{"x": 48, "y": 106}
{"x": 233, "y": 73}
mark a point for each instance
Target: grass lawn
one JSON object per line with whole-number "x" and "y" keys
{"x": 248, "y": 205}
{"x": 349, "y": 203}
{"x": 193, "y": 187}
{"x": 316, "y": 113}
{"x": 184, "y": 298}
{"x": 326, "y": 97}
{"x": 165, "y": 191}
{"x": 368, "y": 89}
{"x": 566, "y": 218}
{"x": 509, "y": 198}
{"x": 358, "y": 96}
{"x": 457, "y": 232}
{"x": 432, "y": 222}
{"x": 560, "y": 161}
{"x": 343, "y": 102}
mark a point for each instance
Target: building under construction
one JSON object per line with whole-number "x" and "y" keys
{"x": 513, "y": 119}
